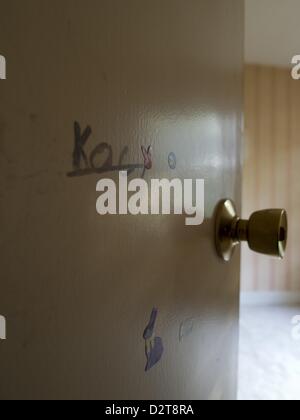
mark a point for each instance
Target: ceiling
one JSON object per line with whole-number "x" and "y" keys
{"x": 272, "y": 31}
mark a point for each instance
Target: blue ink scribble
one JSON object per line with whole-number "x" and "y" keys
{"x": 153, "y": 345}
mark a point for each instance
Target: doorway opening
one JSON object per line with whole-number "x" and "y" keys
{"x": 269, "y": 365}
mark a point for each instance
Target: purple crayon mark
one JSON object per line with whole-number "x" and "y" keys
{"x": 149, "y": 331}
{"x": 147, "y": 157}
{"x": 154, "y": 353}
{"x": 153, "y": 345}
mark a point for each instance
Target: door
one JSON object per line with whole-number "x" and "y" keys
{"x": 117, "y": 306}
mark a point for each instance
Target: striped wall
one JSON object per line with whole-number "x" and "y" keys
{"x": 272, "y": 171}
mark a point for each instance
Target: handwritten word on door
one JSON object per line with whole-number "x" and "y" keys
{"x": 84, "y": 165}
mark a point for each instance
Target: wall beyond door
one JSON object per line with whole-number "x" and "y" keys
{"x": 272, "y": 171}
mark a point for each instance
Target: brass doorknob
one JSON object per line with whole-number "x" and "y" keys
{"x": 265, "y": 231}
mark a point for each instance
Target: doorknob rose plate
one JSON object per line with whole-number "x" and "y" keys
{"x": 265, "y": 231}
{"x": 226, "y": 219}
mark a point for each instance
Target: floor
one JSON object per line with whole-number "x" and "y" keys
{"x": 269, "y": 365}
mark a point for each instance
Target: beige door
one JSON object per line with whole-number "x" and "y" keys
{"x": 119, "y": 307}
